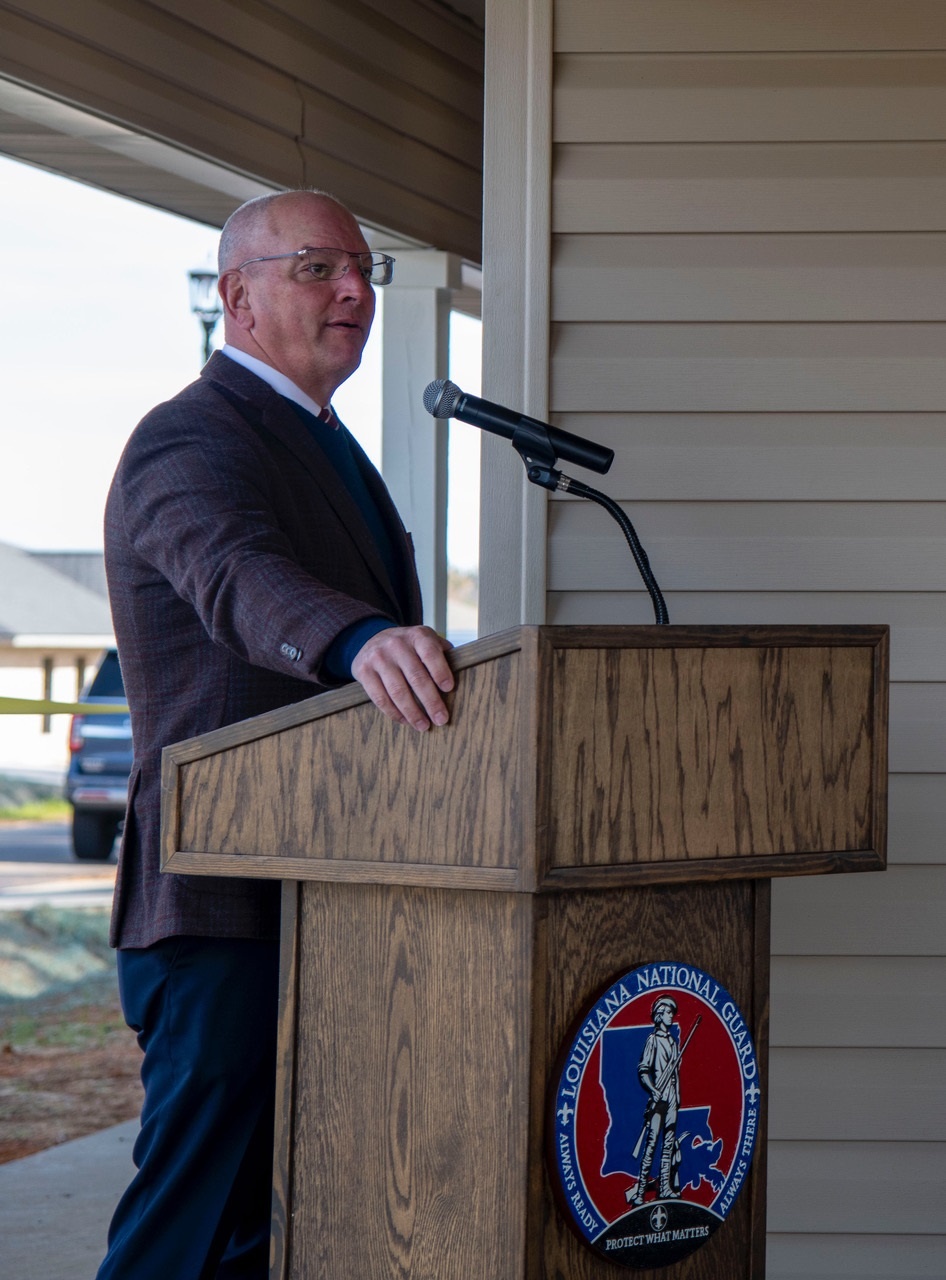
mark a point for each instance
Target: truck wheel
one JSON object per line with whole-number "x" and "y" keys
{"x": 93, "y": 835}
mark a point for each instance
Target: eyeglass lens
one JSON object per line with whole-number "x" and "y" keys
{"x": 331, "y": 264}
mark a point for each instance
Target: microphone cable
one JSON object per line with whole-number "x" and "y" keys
{"x": 568, "y": 485}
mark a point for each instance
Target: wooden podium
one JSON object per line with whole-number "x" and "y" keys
{"x": 603, "y": 797}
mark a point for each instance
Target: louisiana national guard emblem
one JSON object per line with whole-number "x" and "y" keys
{"x": 655, "y": 1110}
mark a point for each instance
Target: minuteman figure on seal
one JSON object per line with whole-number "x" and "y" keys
{"x": 659, "y": 1074}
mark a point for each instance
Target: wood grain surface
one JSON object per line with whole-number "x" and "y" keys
{"x": 466, "y": 894}
{"x": 357, "y": 788}
{"x": 670, "y": 754}
{"x": 421, "y": 1029}
{"x": 411, "y": 1078}
{"x": 575, "y": 757}
{"x": 587, "y": 941}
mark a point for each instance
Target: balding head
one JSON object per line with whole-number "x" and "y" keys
{"x": 256, "y": 223}
{"x": 311, "y": 330}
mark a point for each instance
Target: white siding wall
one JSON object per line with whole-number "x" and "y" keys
{"x": 747, "y": 261}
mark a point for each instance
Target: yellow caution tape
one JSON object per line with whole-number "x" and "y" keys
{"x": 42, "y": 707}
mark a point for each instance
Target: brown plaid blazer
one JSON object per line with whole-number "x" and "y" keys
{"x": 235, "y": 556}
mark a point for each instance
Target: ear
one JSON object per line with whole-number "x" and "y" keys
{"x": 232, "y": 287}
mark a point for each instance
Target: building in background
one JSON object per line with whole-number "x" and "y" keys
{"x": 54, "y": 625}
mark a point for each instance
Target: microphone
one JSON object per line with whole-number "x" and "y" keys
{"x": 444, "y": 399}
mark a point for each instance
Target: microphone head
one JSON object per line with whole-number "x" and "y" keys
{"x": 441, "y": 398}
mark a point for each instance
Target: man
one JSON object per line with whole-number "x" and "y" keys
{"x": 659, "y": 1074}
{"x": 254, "y": 558}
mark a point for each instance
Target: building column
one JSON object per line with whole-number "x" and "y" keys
{"x": 416, "y": 341}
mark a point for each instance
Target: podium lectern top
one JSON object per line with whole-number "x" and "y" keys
{"x": 576, "y": 757}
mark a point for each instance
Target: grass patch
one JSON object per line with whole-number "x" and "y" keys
{"x": 36, "y": 811}
{"x": 25, "y": 800}
{"x": 89, "y": 1020}
{"x": 56, "y": 966}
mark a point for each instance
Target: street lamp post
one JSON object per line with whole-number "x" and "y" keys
{"x": 205, "y": 303}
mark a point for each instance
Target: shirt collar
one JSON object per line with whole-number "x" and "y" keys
{"x": 278, "y": 381}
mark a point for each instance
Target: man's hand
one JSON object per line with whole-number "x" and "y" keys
{"x": 403, "y": 671}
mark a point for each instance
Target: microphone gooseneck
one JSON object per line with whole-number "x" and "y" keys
{"x": 568, "y": 485}
{"x": 540, "y": 445}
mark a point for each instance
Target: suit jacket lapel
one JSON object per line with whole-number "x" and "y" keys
{"x": 400, "y": 538}
{"x": 286, "y": 425}
{"x": 266, "y": 410}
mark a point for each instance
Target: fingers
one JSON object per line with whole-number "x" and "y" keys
{"x": 404, "y": 671}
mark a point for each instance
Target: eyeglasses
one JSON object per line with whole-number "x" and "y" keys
{"x": 332, "y": 264}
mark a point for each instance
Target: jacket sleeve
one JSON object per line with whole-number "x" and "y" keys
{"x": 196, "y": 497}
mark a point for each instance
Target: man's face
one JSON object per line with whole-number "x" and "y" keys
{"x": 310, "y": 330}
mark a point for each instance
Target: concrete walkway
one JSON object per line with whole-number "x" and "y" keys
{"x": 55, "y": 1207}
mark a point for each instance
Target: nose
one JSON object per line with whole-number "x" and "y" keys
{"x": 353, "y": 284}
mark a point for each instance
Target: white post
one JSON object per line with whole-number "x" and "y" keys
{"x": 516, "y": 303}
{"x": 416, "y": 340}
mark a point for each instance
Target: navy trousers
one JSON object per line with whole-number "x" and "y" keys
{"x": 199, "y": 1206}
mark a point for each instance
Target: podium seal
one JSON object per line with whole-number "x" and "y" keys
{"x": 655, "y": 1110}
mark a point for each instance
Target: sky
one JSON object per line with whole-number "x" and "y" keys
{"x": 96, "y": 328}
